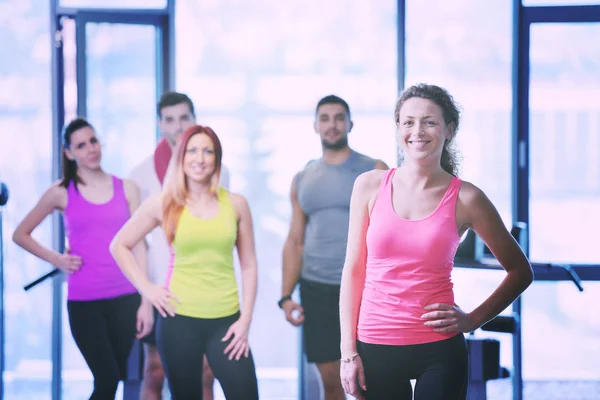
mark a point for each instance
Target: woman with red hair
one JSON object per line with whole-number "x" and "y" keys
{"x": 199, "y": 301}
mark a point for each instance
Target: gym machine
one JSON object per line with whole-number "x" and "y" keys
{"x": 484, "y": 354}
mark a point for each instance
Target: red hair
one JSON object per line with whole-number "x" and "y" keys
{"x": 175, "y": 192}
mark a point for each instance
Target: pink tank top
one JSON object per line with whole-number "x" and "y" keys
{"x": 409, "y": 264}
{"x": 90, "y": 228}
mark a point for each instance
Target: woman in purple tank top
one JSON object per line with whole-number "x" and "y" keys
{"x": 105, "y": 310}
{"x": 397, "y": 312}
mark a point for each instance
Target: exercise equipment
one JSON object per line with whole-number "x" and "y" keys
{"x": 484, "y": 353}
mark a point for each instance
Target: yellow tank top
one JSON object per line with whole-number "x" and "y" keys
{"x": 201, "y": 272}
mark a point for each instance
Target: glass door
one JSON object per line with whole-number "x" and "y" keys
{"x": 115, "y": 65}
{"x": 117, "y": 86}
{"x": 558, "y": 196}
{"x": 564, "y": 202}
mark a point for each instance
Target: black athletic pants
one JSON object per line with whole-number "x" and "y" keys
{"x": 104, "y": 331}
{"x": 182, "y": 343}
{"x": 440, "y": 368}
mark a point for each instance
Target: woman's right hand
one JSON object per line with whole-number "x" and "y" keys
{"x": 352, "y": 374}
{"x": 161, "y": 298}
{"x": 68, "y": 263}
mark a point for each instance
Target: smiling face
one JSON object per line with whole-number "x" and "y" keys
{"x": 85, "y": 149}
{"x": 422, "y": 130}
{"x": 199, "y": 161}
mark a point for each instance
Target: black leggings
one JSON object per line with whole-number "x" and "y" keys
{"x": 440, "y": 368}
{"x": 104, "y": 331}
{"x": 182, "y": 342}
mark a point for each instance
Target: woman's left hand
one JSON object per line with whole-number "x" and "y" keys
{"x": 239, "y": 344}
{"x": 446, "y": 318}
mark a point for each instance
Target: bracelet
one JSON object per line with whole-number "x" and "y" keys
{"x": 283, "y": 300}
{"x": 350, "y": 359}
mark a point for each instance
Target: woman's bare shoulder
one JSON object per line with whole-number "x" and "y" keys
{"x": 369, "y": 181}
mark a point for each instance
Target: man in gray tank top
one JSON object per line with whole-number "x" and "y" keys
{"x": 314, "y": 252}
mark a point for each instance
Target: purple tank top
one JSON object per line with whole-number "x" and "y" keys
{"x": 90, "y": 228}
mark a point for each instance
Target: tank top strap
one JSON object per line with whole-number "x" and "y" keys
{"x": 386, "y": 182}
{"x": 73, "y": 195}
{"x": 226, "y": 204}
{"x": 384, "y": 195}
{"x": 451, "y": 196}
{"x": 118, "y": 188}
{"x": 385, "y": 190}
{"x": 223, "y": 196}
{"x": 454, "y": 187}
{"x": 71, "y": 189}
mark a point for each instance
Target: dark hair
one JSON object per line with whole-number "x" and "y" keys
{"x": 169, "y": 99}
{"x": 451, "y": 114}
{"x": 333, "y": 99}
{"x": 69, "y": 167}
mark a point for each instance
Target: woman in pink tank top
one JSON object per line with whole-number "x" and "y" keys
{"x": 103, "y": 306}
{"x": 397, "y": 312}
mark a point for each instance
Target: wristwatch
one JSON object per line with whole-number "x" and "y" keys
{"x": 283, "y": 300}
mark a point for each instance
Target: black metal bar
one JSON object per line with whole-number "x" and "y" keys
{"x": 3, "y": 201}
{"x": 401, "y": 44}
{"x": 520, "y": 145}
{"x": 81, "y": 65}
{"x": 161, "y": 64}
{"x": 520, "y": 164}
{"x": 502, "y": 323}
{"x": 57, "y": 316}
{"x": 517, "y": 350}
{"x": 569, "y": 272}
{"x": 543, "y": 272}
{"x": 58, "y": 115}
{"x": 562, "y": 14}
{"x": 2, "y": 352}
{"x": 118, "y": 15}
{"x": 401, "y": 49}
{"x": 40, "y": 280}
{"x": 169, "y": 48}
{"x": 132, "y": 385}
{"x": 302, "y": 390}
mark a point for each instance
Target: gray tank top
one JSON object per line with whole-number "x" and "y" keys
{"x": 324, "y": 193}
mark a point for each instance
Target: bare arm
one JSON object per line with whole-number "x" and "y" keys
{"x": 293, "y": 246}
{"x": 484, "y": 219}
{"x": 55, "y": 198}
{"x": 247, "y": 254}
{"x": 139, "y": 251}
{"x": 131, "y": 236}
{"x": 353, "y": 274}
{"x": 238, "y": 331}
{"x": 475, "y": 211}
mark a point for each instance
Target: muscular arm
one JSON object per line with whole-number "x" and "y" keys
{"x": 55, "y": 198}
{"x": 483, "y": 218}
{"x": 353, "y": 274}
{"x": 247, "y": 254}
{"x": 293, "y": 246}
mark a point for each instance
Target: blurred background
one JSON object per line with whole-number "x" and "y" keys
{"x": 527, "y": 75}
